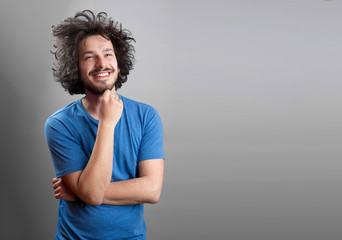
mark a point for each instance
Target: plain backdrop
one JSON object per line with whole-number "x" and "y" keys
{"x": 250, "y": 97}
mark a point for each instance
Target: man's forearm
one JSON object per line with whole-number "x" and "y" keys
{"x": 127, "y": 192}
{"x": 95, "y": 178}
{"x": 144, "y": 189}
{"x": 133, "y": 191}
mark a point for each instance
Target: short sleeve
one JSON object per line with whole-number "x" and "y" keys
{"x": 66, "y": 152}
{"x": 151, "y": 146}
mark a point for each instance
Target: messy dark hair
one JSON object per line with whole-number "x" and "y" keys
{"x": 71, "y": 31}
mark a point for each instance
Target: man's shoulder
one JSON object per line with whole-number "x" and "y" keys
{"x": 64, "y": 114}
{"x": 141, "y": 113}
{"x": 137, "y": 106}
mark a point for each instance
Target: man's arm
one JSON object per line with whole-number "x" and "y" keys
{"x": 91, "y": 183}
{"x": 144, "y": 189}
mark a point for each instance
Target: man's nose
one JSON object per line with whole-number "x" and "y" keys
{"x": 100, "y": 63}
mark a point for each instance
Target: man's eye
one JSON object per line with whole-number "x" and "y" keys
{"x": 109, "y": 55}
{"x": 89, "y": 57}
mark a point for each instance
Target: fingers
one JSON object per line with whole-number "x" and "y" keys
{"x": 111, "y": 107}
{"x": 106, "y": 93}
{"x": 110, "y": 94}
{"x": 58, "y": 193}
{"x": 58, "y": 190}
{"x": 56, "y": 183}
{"x": 109, "y": 97}
{"x": 56, "y": 180}
{"x": 61, "y": 190}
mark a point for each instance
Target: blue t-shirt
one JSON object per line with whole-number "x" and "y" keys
{"x": 70, "y": 135}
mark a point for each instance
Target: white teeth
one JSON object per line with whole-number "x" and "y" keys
{"x": 103, "y": 74}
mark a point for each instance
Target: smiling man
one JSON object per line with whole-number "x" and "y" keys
{"x": 107, "y": 150}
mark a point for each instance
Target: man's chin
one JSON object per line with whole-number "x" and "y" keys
{"x": 98, "y": 91}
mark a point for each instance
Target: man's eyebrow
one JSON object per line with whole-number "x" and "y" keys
{"x": 92, "y": 52}
{"x": 87, "y": 52}
{"x": 108, "y": 50}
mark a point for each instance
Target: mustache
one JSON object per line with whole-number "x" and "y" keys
{"x": 102, "y": 70}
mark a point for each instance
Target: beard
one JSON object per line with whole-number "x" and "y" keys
{"x": 99, "y": 88}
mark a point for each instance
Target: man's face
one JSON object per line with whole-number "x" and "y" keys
{"x": 98, "y": 68}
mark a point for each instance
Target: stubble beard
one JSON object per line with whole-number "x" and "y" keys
{"x": 99, "y": 90}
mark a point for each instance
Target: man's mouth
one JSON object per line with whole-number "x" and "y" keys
{"x": 101, "y": 73}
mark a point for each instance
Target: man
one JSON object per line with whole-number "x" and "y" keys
{"x": 107, "y": 150}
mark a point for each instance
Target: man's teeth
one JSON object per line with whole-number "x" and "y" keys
{"x": 102, "y": 74}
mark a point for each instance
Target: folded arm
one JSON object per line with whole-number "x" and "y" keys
{"x": 144, "y": 189}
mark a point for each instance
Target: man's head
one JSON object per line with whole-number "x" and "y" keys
{"x": 87, "y": 37}
{"x": 97, "y": 64}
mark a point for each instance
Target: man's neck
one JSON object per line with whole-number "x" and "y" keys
{"x": 91, "y": 104}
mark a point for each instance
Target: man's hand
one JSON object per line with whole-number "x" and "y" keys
{"x": 111, "y": 107}
{"x": 62, "y": 191}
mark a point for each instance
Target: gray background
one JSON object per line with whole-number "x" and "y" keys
{"x": 250, "y": 97}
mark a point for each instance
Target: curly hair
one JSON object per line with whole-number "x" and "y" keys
{"x": 72, "y": 30}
